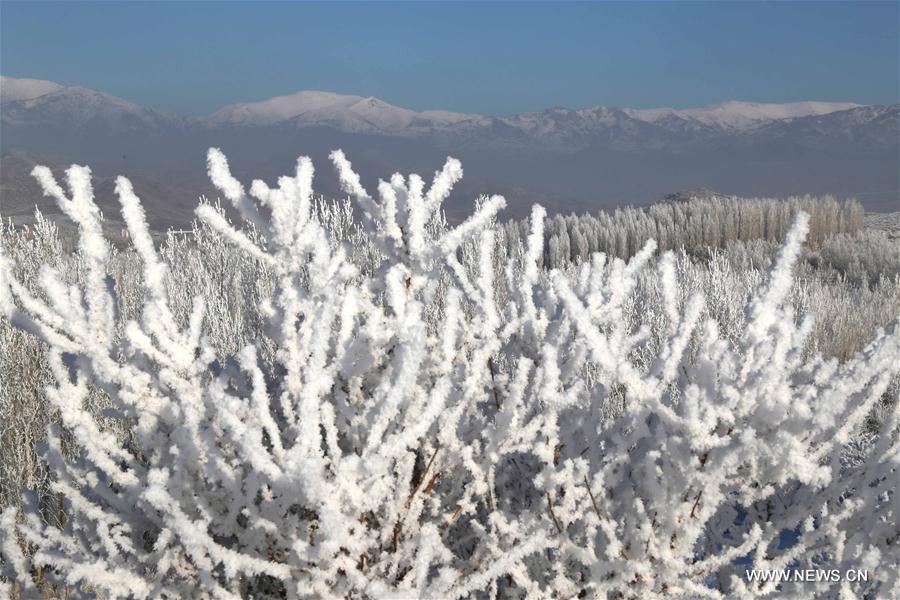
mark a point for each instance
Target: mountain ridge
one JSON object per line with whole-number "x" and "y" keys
{"x": 568, "y": 159}
{"x": 358, "y": 114}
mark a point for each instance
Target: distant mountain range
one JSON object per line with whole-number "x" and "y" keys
{"x": 568, "y": 159}
{"x": 29, "y": 104}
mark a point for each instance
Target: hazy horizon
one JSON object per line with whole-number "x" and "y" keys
{"x": 548, "y": 107}
{"x": 181, "y": 58}
{"x": 669, "y": 67}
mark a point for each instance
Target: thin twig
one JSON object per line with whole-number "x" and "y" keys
{"x": 593, "y": 501}
{"x": 453, "y": 517}
{"x": 552, "y": 514}
{"x": 431, "y": 483}
{"x": 421, "y": 479}
{"x": 696, "y": 502}
{"x": 395, "y": 537}
{"x": 490, "y": 362}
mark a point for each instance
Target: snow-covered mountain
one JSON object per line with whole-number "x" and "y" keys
{"x": 23, "y": 89}
{"x": 28, "y": 103}
{"x": 281, "y": 108}
{"x": 873, "y": 127}
{"x": 654, "y": 129}
{"x": 737, "y": 115}
{"x": 562, "y": 157}
{"x": 353, "y": 114}
{"x": 556, "y": 128}
{"x": 36, "y": 104}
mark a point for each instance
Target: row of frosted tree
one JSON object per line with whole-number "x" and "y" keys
{"x": 692, "y": 223}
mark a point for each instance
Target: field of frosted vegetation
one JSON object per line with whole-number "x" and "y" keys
{"x": 608, "y": 342}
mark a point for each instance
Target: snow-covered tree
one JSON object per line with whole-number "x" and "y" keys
{"x": 441, "y": 423}
{"x": 701, "y": 222}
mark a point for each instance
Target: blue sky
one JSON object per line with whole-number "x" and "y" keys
{"x": 497, "y": 58}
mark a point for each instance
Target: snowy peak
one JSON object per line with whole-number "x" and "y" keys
{"x": 78, "y": 108}
{"x": 350, "y": 113}
{"x": 380, "y": 115}
{"x": 25, "y": 89}
{"x": 281, "y": 108}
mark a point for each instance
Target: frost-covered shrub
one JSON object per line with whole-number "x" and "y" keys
{"x": 864, "y": 258}
{"x": 436, "y": 422}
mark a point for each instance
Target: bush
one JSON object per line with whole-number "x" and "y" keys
{"x": 440, "y": 423}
